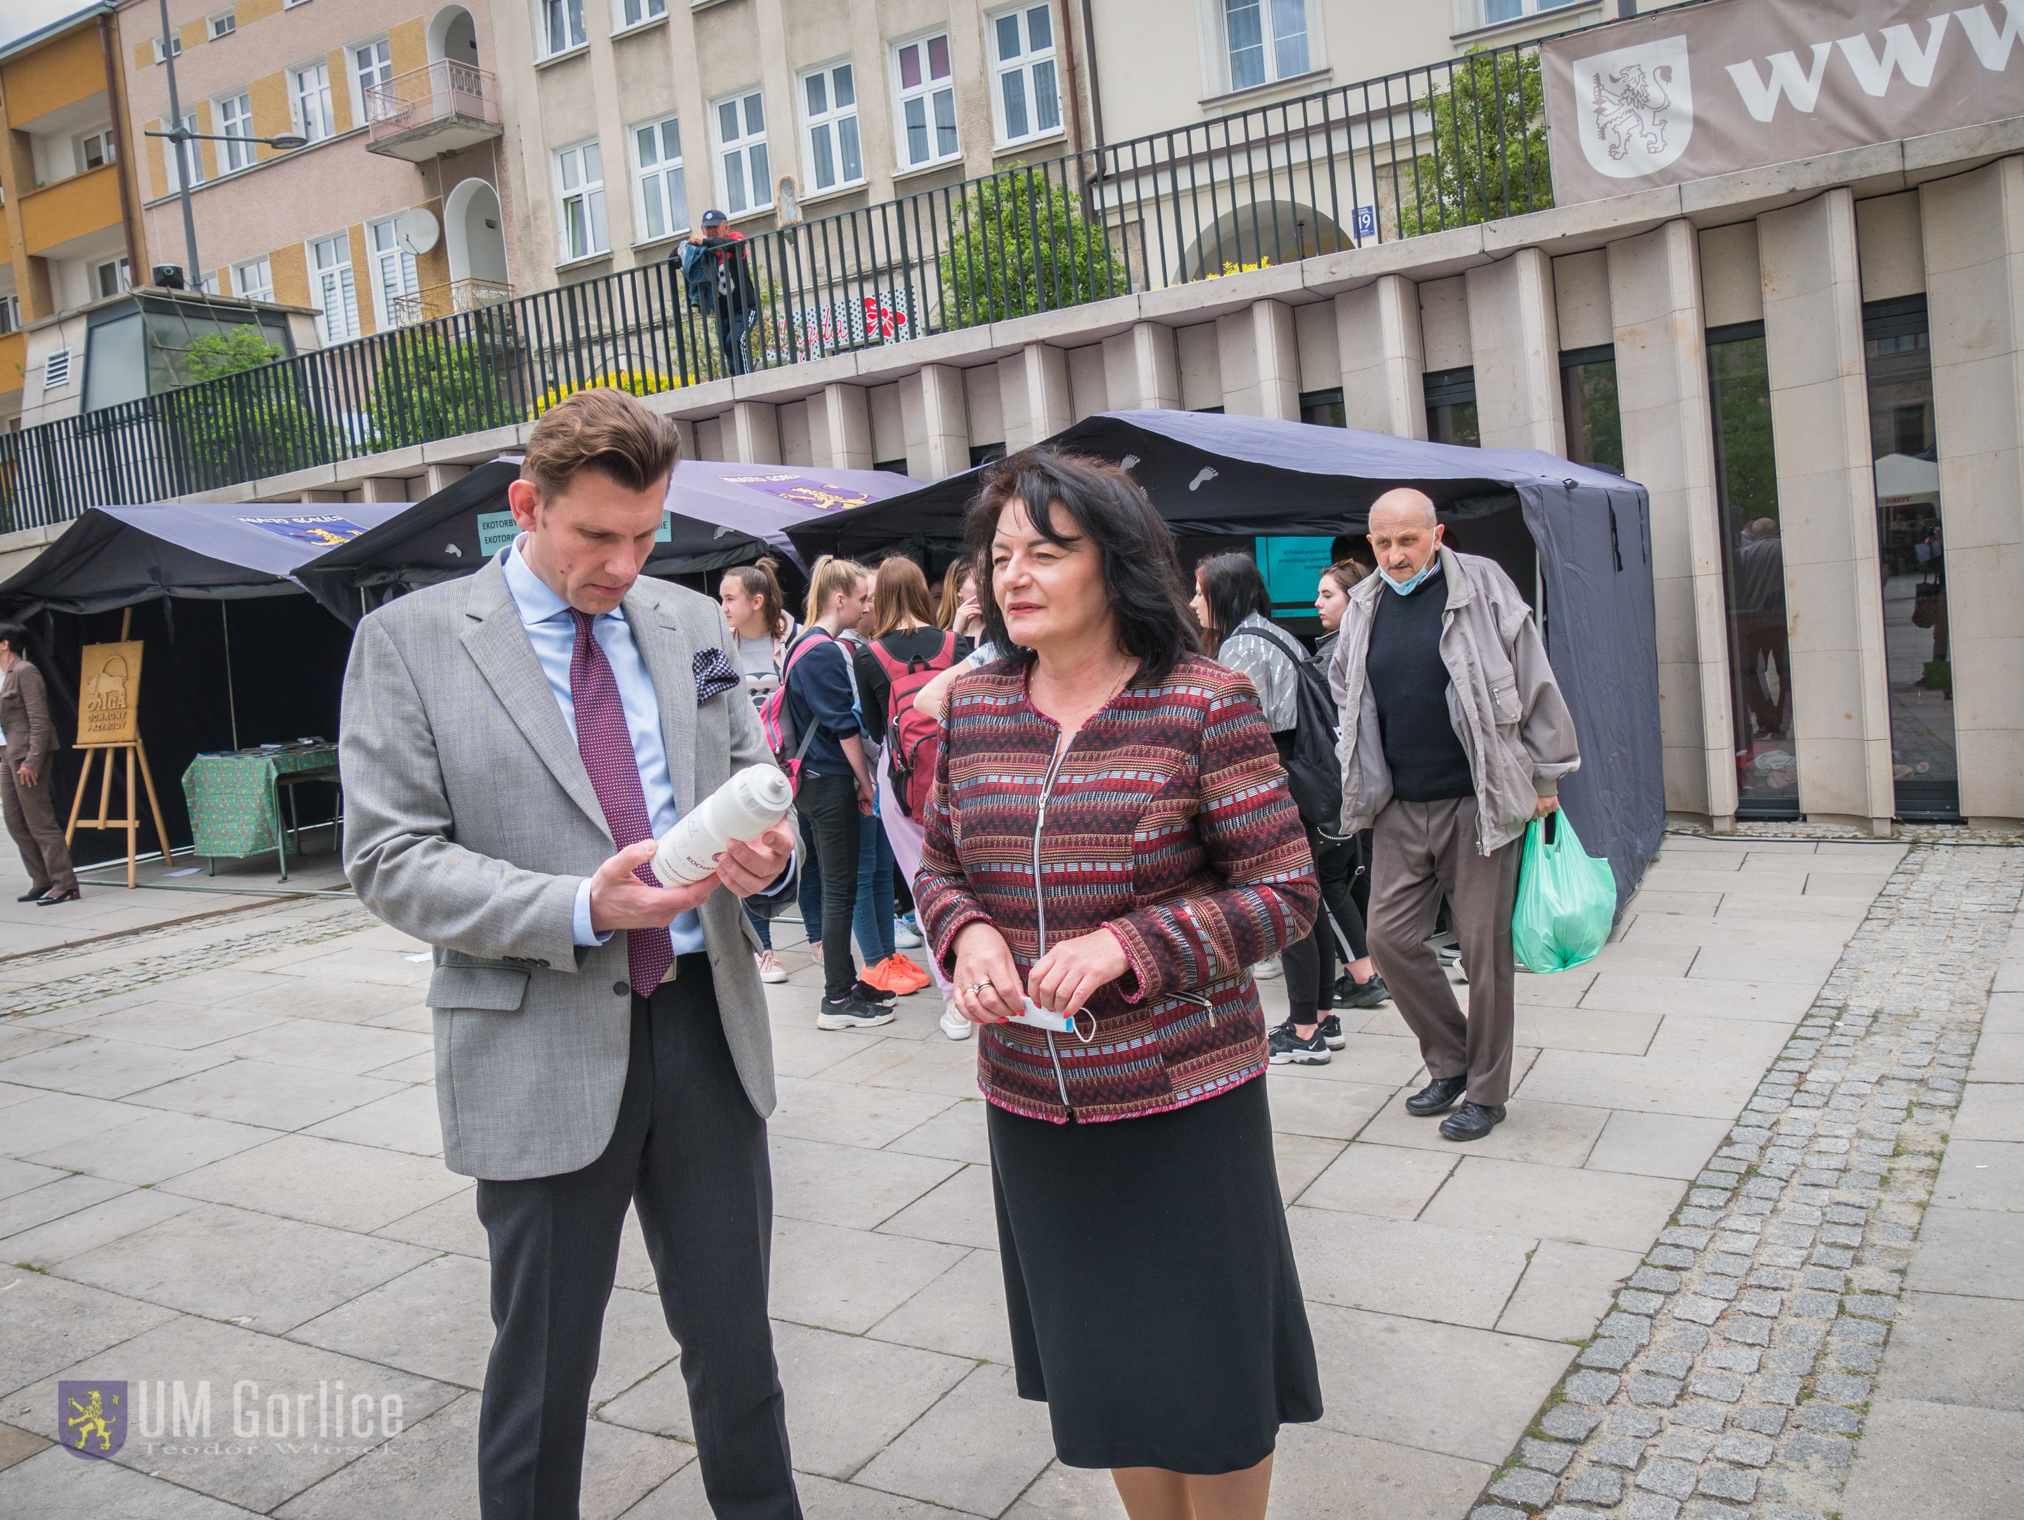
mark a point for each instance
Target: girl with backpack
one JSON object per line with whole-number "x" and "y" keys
{"x": 756, "y": 613}
{"x": 906, "y": 651}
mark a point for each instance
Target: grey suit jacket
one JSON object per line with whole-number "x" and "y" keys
{"x": 470, "y": 821}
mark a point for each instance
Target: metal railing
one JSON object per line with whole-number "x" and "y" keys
{"x": 1416, "y": 152}
{"x": 441, "y": 300}
{"x": 442, "y": 89}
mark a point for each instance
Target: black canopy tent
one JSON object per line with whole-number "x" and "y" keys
{"x": 1576, "y": 538}
{"x": 266, "y": 667}
{"x": 719, "y": 514}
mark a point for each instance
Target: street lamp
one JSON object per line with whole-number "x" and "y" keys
{"x": 179, "y": 136}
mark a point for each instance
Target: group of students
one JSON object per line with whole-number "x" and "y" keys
{"x": 864, "y": 674}
{"x": 866, "y": 671}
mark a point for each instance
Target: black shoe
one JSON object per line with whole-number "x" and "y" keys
{"x": 61, "y": 897}
{"x": 1331, "y": 1033}
{"x": 1370, "y": 994}
{"x": 1472, "y": 1121}
{"x": 1284, "y": 1045}
{"x": 864, "y": 992}
{"x": 852, "y": 1012}
{"x": 32, "y": 894}
{"x": 1437, "y": 1097}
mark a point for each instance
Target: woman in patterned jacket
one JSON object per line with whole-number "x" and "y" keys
{"x": 1111, "y": 838}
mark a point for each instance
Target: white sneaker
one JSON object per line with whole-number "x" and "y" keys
{"x": 770, "y": 969}
{"x": 954, "y": 1025}
{"x": 1266, "y": 970}
{"x": 904, "y": 937}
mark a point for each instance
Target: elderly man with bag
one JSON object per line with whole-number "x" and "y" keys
{"x": 1454, "y": 737}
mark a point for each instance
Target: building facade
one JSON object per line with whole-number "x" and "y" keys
{"x": 69, "y": 229}
{"x": 392, "y": 211}
{"x": 630, "y": 118}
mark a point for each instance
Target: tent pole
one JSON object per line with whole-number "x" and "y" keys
{"x": 231, "y": 702}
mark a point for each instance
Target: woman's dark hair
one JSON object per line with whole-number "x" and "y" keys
{"x": 15, "y": 636}
{"x": 1073, "y": 496}
{"x": 758, "y": 580}
{"x": 1234, "y": 589}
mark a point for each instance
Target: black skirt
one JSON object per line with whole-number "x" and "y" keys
{"x": 1150, "y": 1283}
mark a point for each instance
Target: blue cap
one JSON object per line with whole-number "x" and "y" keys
{"x": 714, "y": 218}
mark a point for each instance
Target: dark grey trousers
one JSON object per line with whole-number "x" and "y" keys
{"x": 30, "y": 812}
{"x": 1421, "y": 852}
{"x": 690, "y": 1153}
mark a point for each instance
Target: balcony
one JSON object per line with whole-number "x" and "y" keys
{"x": 446, "y": 300}
{"x": 70, "y": 209}
{"x": 443, "y": 108}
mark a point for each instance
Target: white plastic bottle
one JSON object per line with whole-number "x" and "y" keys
{"x": 743, "y": 808}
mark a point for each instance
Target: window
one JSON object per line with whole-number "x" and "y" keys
{"x": 1028, "y": 99}
{"x": 1268, "y": 40}
{"x": 663, "y": 196}
{"x": 223, "y": 25}
{"x": 1753, "y": 574}
{"x": 1323, "y": 408}
{"x": 562, "y": 27}
{"x": 1451, "y": 407}
{"x": 580, "y": 171}
{"x": 1495, "y": 11}
{"x": 10, "y": 313}
{"x": 633, "y": 12}
{"x": 1588, "y": 401}
{"x": 95, "y": 150}
{"x": 175, "y": 156}
{"x": 309, "y": 94}
{"x": 830, "y": 99}
{"x": 393, "y": 270}
{"x": 234, "y": 115}
{"x": 741, "y": 149}
{"x": 331, "y": 288}
{"x": 254, "y": 280}
{"x": 927, "y": 100}
{"x": 374, "y": 66}
{"x": 113, "y": 276}
{"x": 1918, "y": 659}
{"x": 175, "y": 49}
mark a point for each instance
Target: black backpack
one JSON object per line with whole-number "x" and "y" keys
{"x": 1313, "y": 774}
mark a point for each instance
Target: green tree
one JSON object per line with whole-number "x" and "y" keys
{"x": 1019, "y": 243}
{"x": 431, "y": 386}
{"x": 1488, "y": 154}
{"x": 243, "y": 416}
{"x": 242, "y": 347}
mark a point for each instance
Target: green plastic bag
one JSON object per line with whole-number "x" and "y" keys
{"x": 1566, "y": 898}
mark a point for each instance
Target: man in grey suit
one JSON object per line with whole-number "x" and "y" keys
{"x": 513, "y": 744}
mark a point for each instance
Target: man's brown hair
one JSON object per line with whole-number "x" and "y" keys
{"x": 603, "y": 430}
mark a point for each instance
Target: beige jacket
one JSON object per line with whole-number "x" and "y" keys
{"x": 27, "y": 737}
{"x": 1502, "y": 699}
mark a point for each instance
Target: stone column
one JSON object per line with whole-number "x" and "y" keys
{"x": 942, "y": 444}
{"x": 1514, "y": 335}
{"x": 845, "y": 418}
{"x": 441, "y": 477}
{"x": 755, "y": 432}
{"x": 1044, "y": 368}
{"x": 1827, "y": 509}
{"x": 1974, "y": 247}
{"x": 1384, "y": 365}
{"x": 1260, "y": 359}
{"x": 1140, "y": 369}
{"x": 383, "y": 488}
{"x": 1668, "y": 443}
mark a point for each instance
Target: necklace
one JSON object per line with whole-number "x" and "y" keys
{"x": 1068, "y": 734}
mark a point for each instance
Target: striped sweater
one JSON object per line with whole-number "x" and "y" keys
{"x": 1168, "y": 822}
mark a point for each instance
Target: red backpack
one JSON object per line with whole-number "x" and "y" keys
{"x": 776, "y": 718}
{"x": 913, "y": 739}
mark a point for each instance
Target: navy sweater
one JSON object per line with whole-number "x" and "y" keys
{"x": 1410, "y": 685}
{"x": 820, "y": 694}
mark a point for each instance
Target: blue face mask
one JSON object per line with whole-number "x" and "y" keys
{"x": 1406, "y": 588}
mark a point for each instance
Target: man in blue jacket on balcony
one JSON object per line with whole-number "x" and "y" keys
{"x": 717, "y": 268}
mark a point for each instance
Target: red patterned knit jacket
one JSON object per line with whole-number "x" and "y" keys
{"x": 1168, "y": 821}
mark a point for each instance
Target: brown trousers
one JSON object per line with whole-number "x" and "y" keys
{"x": 1421, "y": 852}
{"x": 31, "y": 819}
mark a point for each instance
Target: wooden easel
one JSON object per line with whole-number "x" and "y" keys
{"x": 135, "y": 751}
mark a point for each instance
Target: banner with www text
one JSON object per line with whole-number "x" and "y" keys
{"x": 1736, "y": 84}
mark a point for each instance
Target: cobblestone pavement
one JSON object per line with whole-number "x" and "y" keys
{"x": 1733, "y": 1375}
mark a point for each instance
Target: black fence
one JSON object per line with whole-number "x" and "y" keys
{"x": 1412, "y": 153}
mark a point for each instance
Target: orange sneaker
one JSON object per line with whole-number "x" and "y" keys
{"x": 906, "y": 975}
{"x": 879, "y": 977}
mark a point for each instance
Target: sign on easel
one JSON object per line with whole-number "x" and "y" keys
{"x": 108, "y": 695}
{"x": 108, "y": 724}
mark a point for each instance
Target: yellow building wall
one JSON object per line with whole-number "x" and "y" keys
{"x": 255, "y": 10}
{"x": 361, "y": 279}
{"x": 340, "y": 91}
{"x": 408, "y": 43}
{"x": 290, "y": 268}
{"x": 55, "y": 75}
{"x": 268, "y": 96}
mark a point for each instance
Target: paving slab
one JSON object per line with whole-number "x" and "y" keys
{"x": 262, "y": 1092}
{"x": 1381, "y": 1181}
{"x": 1895, "y": 1475}
{"x": 1413, "y": 1268}
{"x": 1977, "y": 1251}
{"x": 46, "y": 1245}
{"x": 55, "y": 1485}
{"x": 1566, "y": 1289}
{"x": 1948, "y": 1348}
{"x": 329, "y": 1182}
{"x": 846, "y": 1185}
{"x": 51, "y": 1323}
{"x": 977, "y": 1449}
{"x": 958, "y": 1211}
{"x": 850, "y": 1279}
{"x": 960, "y": 1313}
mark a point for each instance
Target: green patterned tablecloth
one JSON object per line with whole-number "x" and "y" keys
{"x": 231, "y": 796}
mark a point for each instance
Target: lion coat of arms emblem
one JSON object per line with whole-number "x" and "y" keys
{"x": 1637, "y": 107}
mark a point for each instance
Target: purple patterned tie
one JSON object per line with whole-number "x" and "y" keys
{"x": 605, "y": 743}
